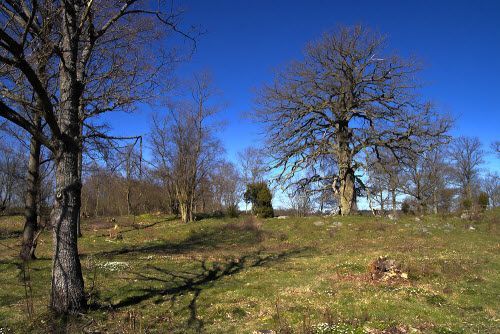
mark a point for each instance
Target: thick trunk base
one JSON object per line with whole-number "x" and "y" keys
{"x": 185, "y": 210}
{"x": 347, "y": 193}
{"x": 67, "y": 281}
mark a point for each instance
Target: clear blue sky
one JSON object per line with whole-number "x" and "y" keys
{"x": 458, "y": 42}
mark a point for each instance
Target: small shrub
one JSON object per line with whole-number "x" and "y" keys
{"x": 466, "y": 204}
{"x": 264, "y": 212}
{"x": 405, "y": 207}
{"x": 261, "y": 198}
{"x": 483, "y": 200}
{"x": 251, "y": 223}
{"x": 232, "y": 211}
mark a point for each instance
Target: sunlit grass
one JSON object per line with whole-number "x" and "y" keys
{"x": 218, "y": 276}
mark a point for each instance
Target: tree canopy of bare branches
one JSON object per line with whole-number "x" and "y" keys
{"x": 467, "y": 155}
{"x": 344, "y": 98}
{"x": 184, "y": 145}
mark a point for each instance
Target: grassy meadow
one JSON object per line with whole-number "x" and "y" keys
{"x": 153, "y": 274}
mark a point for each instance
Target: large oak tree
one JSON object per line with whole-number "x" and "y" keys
{"x": 347, "y": 97}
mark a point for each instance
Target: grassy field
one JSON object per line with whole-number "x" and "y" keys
{"x": 299, "y": 275}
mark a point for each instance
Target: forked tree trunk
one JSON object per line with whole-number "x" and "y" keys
{"x": 67, "y": 282}
{"x": 28, "y": 244}
{"x": 382, "y": 204}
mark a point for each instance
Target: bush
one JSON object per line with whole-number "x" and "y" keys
{"x": 483, "y": 200}
{"x": 405, "y": 207}
{"x": 232, "y": 211}
{"x": 466, "y": 204}
{"x": 261, "y": 198}
{"x": 264, "y": 212}
{"x": 251, "y": 223}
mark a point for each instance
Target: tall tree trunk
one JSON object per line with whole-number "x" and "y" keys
{"x": 67, "y": 280}
{"x": 129, "y": 203}
{"x": 346, "y": 191}
{"x": 321, "y": 203}
{"x": 80, "y": 169}
{"x": 346, "y": 187}
{"x": 97, "y": 195}
{"x": 191, "y": 209}
{"x": 67, "y": 295}
{"x": 28, "y": 245}
{"x": 435, "y": 201}
{"x": 184, "y": 208}
{"x": 382, "y": 204}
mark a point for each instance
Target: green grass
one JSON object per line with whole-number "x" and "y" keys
{"x": 216, "y": 276}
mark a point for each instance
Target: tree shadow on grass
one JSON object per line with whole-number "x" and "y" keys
{"x": 177, "y": 283}
{"x": 130, "y": 226}
{"x": 201, "y": 240}
{"x": 6, "y": 235}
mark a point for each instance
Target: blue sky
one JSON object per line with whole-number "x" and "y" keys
{"x": 458, "y": 42}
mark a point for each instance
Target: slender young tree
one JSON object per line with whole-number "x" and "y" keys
{"x": 345, "y": 97}
{"x": 467, "y": 156}
{"x": 184, "y": 144}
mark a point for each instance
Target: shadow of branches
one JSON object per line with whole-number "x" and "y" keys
{"x": 178, "y": 283}
{"x": 220, "y": 236}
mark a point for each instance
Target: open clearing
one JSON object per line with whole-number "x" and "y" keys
{"x": 153, "y": 274}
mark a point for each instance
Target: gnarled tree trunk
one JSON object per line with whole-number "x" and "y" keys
{"x": 346, "y": 188}
{"x": 346, "y": 191}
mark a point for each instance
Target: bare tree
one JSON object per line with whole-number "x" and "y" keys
{"x": 495, "y": 146}
{"x": 11, "y": 178}
{"x": 376, "y": 186}
{"x": 184, "y": 144}
{"x": 300, "y": 200}
{"x": 344, "y": 98}
{"x": 424, "y": 178}
{"x": 81, "y": 30}
{"x": 491, "y": 185}
{"x": 252, "y": 165}
{"x": 39, "y": 173}
{"x": 467, "y": 156}
{"x": 227, "y": 185}
{"x": 132, "y": 168}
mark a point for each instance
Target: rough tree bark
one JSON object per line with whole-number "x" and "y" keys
{"x": 80, "y": 170}
{"x": 28, "y": 243}
{"x": 346, "y": 189}
{"x": 67, "y": 280}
